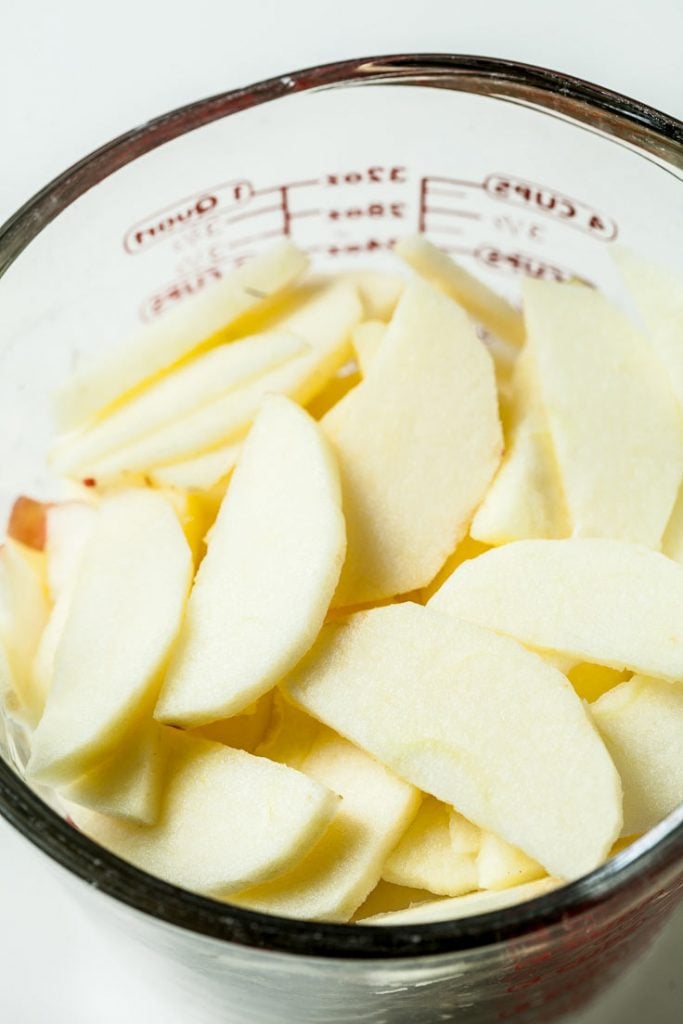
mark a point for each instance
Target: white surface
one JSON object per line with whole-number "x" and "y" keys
{"x": 75, "y": 74}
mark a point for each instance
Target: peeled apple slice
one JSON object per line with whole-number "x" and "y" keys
{"x": 23, "y": 615}
{"x": 290, "y": 734}
{"x": 465, "y": 836}
{"x": 424, "y": 857}
{"x": 418, "y": 442}
{"x": 179, "y": 393}
{"x": 658, "y": 295}
{"x": 525, "y": 499}
{"x": 201, "y": 472}
{"x": 245, "y": 731}
{"x": 345, "y": 865}
{"x": 672, "y": 542}
{"x": 128, "y": 784}
{"x": 125, "y": 614}
{"x": 483, "y": 304}
{"x": 366, "y": 338}
{"x": 264, "y": 587}
{"x": 228, "y": 819}
{"x": 465, "y": 906}
{"x": 69, "y": 526}
{"x": 326, "y": 322}
{"x": 201, "y": 321}
{"x": 617, "y": 428}
{"x": 501, "y": 865}
{"x": 386, "y": 898}
{"x": 641, "y": 722}
{"x": 473, "y": 719}
{"x": 379, "y": 291}
{"x": 601, "y": 601}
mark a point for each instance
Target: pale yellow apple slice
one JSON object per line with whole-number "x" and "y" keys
{"x": 124, "y": 616}
{"x": 69, "y": 526}
{"x": 345, "y": 865}
{"x": 484, "y": 305}
{"x": 473, "y": 719}
{"x": 191, "y": 386}
{"x": 264, "y": 587}
{"x": 199, "y": 472}
{"x": 379, "y": 291}
{"x": 203, "y": 320}
{"x": 366, "y": 339}
{"x": 228, "y": 819}
{"x": 10, "y": 702}
{"x": 616, "y": 426}
{"x": 24, "y": 613}
{"x": 424, "y": 857}
{"x": 601, "y": 601}
{"x": 128, "y": 784}
{"x": 246, "y": 731}
{"x": 325, "y": 322}
{"x": 290, "y": 735}
{"x": 525, "y": 499}
{"x": 42, "y": 669}
{"x": 658, "y": 295}
{"x": 500, "y": 865}
{"x": 465, "y": 906}
{"x": 386, "y": 898}
{"x": 418, "y": 442}
{"x": 465, "y": 835}
{"x": 641, "y": 722}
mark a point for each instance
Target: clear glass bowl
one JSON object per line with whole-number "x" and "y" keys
{"x": 516, "y": 170}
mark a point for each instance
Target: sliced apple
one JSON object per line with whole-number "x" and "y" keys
{"x": 658, "y": 295}
{"x": 205, "y": 320}
{"x": 672, "y": 542}
{"x": 465, "y": 906}
{"x": 24, "y": 613}
{"x": 290, "y": 735}
{"x": 10, "y": 703}
{"x": 345, "y": 865}
{"x": 272, "y": 565}
{"x": 480, "y": 302}
{"x": 591, "y": 681}
{"x": 326, "y": 322}
{"x": 367, "y": 338}
{"x": 128, "y": 784}
{"x": 68, "y": 531}
{"x": 424, "y": 857}
{"x": 501, "y": 865}
{"x": 42, "y": 669}
{"x": 196, "y": 511}
{"x": 418, "y": 442}
{"x": 620, "y": 470}
{"x": 124, "y": 616}
{"x": 386, "y": 898}
{"x": 379, "y": 291}
{"x": 245, "y": 731}
{"x": 601, "y": 601}
{"x": 228, "y": 819}
{"x": 189, "y": 387}
{"x": 200, "y": 472}
{"x": 473, "y": 719}
{"x": 525, "y": 499}
{"x": 465, "y": 835}
{"x": 641, "y": 722}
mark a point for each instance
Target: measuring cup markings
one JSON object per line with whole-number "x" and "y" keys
{"x": 205, "y": 230}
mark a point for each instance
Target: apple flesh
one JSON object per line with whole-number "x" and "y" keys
{"x": 418, "y": 441}
{"x": 599, "y": 601}
{"x": 473, "y": 719}
{"x": 465, "y": 906}
{"x": 125, "y": 613}
{"x": 272, "y": 565}
{"x": 227, "y": 820}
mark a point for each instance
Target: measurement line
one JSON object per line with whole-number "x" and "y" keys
{"x": 304, "y": 213}
{"x": 421, "y": 227}
{"x": 284, "y": 204}
{"x": 453, "y": 213}
{"x": 245, "y": 215}
{"x": 451, "y": 193}
{"x": 287, "y": 185}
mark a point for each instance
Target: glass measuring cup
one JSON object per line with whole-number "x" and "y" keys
{"x": 515, "y": 170}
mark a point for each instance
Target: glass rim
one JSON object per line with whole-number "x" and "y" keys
{"x": 616, "y": 116}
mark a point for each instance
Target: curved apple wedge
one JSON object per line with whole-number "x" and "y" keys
{"x": 272, "y": 565}
{"x": 473, "y": 719}
{"x": 601, "y": 601}
{"x": 465, "y": 906}
{"x": 124, "y": 615}
{"x": 418, "y": 440}
{"x": 228, "y": 819}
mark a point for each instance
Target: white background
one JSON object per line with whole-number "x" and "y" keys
{"x": 76, "y": 73}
